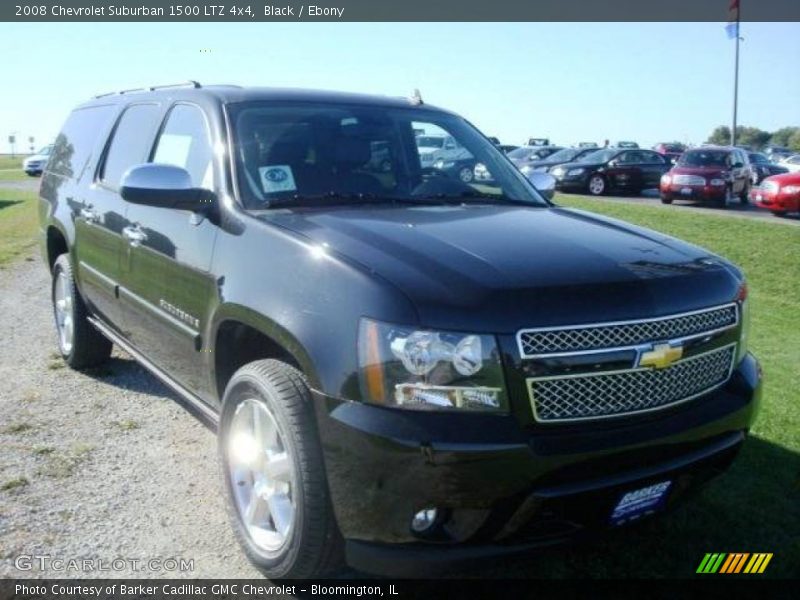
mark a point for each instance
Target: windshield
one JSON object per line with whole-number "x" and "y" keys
{"x": 44, "y": 151}
{"x": 758, "y": 158}
{"x": 308, "y": 153}
{"x": 598, "y": 156}
{"x": 704, "y": 158}
{"x": 564, "y": 155}
{"x": 430, "y": 142}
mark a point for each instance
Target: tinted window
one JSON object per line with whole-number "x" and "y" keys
{"x": 77, "y": 139}
{"x": 131, "y": 142}
{"x": 758, "y": 159}
{"x": 704, "y": 158}
{"x": 184, "y": 142}
{"x": 629, "y": 158}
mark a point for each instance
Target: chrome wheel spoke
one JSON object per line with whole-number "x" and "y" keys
{"x": 278, "y": 467}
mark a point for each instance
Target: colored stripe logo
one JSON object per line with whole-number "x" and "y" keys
{"x": 734, "y": 562}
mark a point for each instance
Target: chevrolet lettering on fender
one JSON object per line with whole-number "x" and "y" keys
{"x": 408, "y": 370}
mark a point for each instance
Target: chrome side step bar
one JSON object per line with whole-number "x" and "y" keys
{"x": 200, "y": 408}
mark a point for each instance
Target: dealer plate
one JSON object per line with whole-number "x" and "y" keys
{"x": 641, "y": 502}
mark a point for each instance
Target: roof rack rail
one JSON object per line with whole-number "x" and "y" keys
{"x": 152, "y": 88}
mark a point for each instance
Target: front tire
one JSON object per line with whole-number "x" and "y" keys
{"x": 666, "y": 199}
{"x": 80, "y": 344}
{"x": 466, "y": 174}
{"x": 272, "y": 466}
{"x": 597, "y": 185}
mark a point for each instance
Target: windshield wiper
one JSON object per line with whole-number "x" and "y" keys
{"x": 327, "y": 199}
{"x": 465, "y": 197}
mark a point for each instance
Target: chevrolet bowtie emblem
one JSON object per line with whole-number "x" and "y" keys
{"x": 661, "y": 356}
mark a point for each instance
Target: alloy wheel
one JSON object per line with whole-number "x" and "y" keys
{"x": 63, "y": 301}
{"x": 597, "y": 185}
{"x": 261, "y": 472}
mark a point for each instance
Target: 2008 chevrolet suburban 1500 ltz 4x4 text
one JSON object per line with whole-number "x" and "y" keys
{"x": 406, "y": 371}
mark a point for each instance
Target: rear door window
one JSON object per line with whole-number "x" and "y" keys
{"x": 131, "y": 142}
{"x": 78, "y": 138}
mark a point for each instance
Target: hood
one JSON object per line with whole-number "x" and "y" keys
{"x": 490, "y": 268}
{"x": 702, "y": 171}
{"x": 785, "y": 179}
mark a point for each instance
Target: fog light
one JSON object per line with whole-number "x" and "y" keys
{"x": 424, "y": 520}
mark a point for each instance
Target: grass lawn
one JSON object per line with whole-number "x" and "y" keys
{"x": 755, "y": 507}
{"x": 12, "y": 175}
{"x": 6, "y": 162}
{"x": 18, "y": 224}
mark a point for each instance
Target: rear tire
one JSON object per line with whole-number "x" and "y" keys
{"x": 80, "y": 344}
{"x": 779, "y": 213}
{"x": 296, "y": 492}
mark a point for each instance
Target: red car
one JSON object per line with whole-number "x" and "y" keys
{"x": 779, "y": 194}
{"x": 710, "y": 173}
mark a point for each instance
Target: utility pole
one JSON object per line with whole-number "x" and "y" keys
{"x": 736, "y": 75}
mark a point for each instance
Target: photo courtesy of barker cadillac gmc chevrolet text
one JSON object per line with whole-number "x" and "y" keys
{"x": 407, "y": 371}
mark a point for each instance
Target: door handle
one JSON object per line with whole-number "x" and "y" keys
{"x": 89, "y": 215}
{"x": 134, "y": 235}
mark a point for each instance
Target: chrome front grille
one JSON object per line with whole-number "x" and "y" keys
{"x": 688, "y": 180}
{"x": 587, "y": 396}
{"x": 581, "y": 339}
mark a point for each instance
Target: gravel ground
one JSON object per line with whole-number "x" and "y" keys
{"x": 103, "y": 465}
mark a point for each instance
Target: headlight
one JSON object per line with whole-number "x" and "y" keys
{"x": 575, "y": 172}
{"x": 526, "y": 169}
{"x": 791, "y": 189}
{"x": 443, "y": 164}
{"x": 717, "y": 182}
{"x": 666, "y": 179}
{"x": 429, "y": 370}
{"x": 744, "y": 337}
{"x": 558, "y": 171}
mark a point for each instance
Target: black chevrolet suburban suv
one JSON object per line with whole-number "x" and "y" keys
{"x": 407, "y": 372}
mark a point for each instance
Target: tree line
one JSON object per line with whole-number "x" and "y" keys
{"x": 787, "y": 137}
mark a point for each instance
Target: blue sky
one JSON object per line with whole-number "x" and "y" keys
{"x": 571, "y": 82}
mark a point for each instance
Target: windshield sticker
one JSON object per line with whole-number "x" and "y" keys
{"x": 277, "y": 178}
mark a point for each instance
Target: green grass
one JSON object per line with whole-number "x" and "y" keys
{"x": 755, "y": 507}
{"x": 18, "y": 224}
{"x": 13, "y": 175}
{"x": 6, "y": 162}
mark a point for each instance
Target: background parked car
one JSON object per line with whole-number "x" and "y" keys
{"x": 671, "y": 151}
{"x": 780, "y": 194}
{"x": 777, "y": 153}
{"x": 507, "y": 147}
{"x": 611, "y": 168}
{"x": 587, "y": 144}
{"x": 626, "y": 145}
{"x": 462, "y": 169}
{"x": 710, "y": 173}
{"x": 763, "y": 168}
{"x": 527, "y": 154}
{"x": 35, "y": 164}
{"x": 560, "y": 157}
{"x": 432, "y": 148}
{"x": 792, "y": 163}
{"x": 538, "y": 142}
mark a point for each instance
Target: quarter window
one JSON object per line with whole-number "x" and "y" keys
{"x": 131, "y": 142}
{"x": 184, "y": 142}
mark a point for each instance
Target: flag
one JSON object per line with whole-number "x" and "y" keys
{"x": 732, "y": 28}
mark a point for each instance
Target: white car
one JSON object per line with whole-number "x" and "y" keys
{"x": 35, "y": 164}
{"x": 434, "y": 148}
{"x": 792, "y": 163}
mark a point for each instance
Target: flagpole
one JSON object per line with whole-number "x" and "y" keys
{"x": 736, "y": 77}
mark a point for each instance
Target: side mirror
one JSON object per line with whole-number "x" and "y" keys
{"x": 543, "y": 182}
{"x": 737, "y": 165}
{"x": 164, "y": 186}
{"x": 613, "y": 163}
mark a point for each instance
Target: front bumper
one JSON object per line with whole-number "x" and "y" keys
{"x": 505, "y": 487}
{"x": 779, "y": 202}
{"x": 693, "y": 192}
